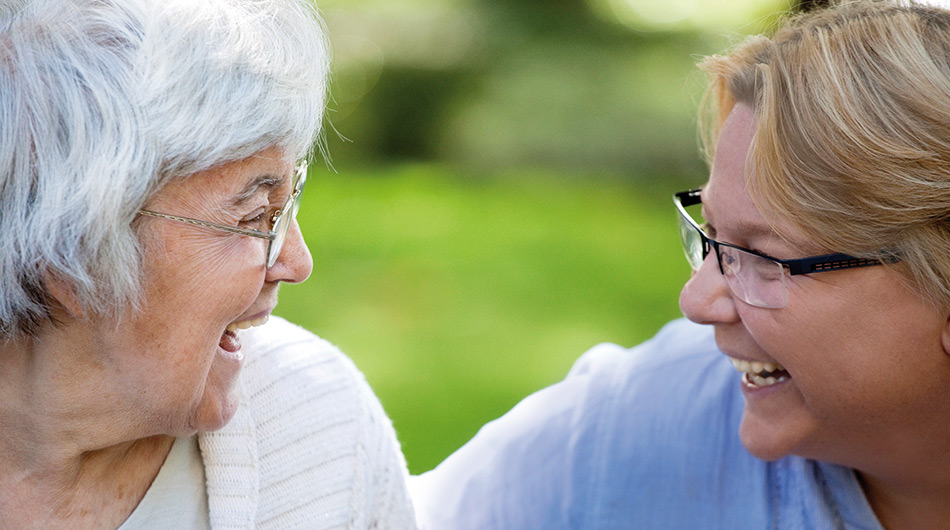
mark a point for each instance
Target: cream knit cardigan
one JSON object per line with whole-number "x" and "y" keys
{"x": 309, "y": 447}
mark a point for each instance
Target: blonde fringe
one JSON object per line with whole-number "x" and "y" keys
{"x": 853, "y": 131}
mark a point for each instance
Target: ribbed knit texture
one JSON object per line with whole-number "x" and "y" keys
{"x": 310, "y": 446}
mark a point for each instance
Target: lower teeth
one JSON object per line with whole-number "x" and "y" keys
{"x": 754, "y": 380}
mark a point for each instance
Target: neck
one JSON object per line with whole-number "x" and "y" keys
{"x": 68, "y": 462}
{"x": 906, "y": 476}
{"x": 908, "y": 506}
{"x": 95, "y": 490}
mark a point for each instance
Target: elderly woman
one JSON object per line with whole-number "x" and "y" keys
{"x": 148, "y": 201}
{"x": 822, "y": 272}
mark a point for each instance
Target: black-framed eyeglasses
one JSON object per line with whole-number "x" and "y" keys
{"x": 279, "y": 220}
{"x": 755, "y": 278}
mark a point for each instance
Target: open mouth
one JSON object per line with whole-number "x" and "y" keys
{"x": 230, "y": 342}
{"x": 759, "y": 374}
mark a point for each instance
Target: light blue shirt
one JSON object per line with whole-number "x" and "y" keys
{"x": 645, "y": 438}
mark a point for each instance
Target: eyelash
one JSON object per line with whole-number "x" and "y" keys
{"x": 258, "y": 220}
{"x": 710, "y": 232}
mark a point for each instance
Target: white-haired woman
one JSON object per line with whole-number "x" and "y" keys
{"x": 150, "y": 181}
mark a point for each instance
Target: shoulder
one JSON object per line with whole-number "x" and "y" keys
{"x": 281, "y": 349}
{"x": 680, "y": 344}
{"x": 323, "y": 440}
{"x": 661, "y": 440}
{"x": 627, "y": 433}
{"x": 292, "y": 377}
{"x": 298, "y": 384}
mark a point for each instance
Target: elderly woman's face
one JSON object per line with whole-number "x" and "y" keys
{"x": 177, "y": 364}
{"x": 866, "y": 364}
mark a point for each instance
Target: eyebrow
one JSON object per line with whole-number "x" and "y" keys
{"x": 753, "y": 230}
{"x": 745, "y": 229}
{"x": 267, "y": 182}
{"x": 758, "y": 236}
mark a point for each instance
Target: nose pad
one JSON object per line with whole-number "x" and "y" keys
{"x": 706, "y": 297}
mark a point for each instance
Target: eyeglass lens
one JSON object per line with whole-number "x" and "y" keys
{"x": 753, "y": 279}
{"x": 287, "y": 214}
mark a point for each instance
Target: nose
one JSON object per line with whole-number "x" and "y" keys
{"x": 706, "y": 297}
{"x": 294, "y": 263}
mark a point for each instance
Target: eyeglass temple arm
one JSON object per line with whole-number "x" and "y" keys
{"x": 215, "y": 226}
{"x": 826, "y": 262}
{"x": 830, "y": 262}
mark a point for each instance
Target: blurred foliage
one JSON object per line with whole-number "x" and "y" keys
{"x": 560, "y": 84}
{"x": 499, "y": 196}
{"x": 458, "y": 297}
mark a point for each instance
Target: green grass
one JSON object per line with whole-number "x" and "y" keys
{"x": 457, "y": 297}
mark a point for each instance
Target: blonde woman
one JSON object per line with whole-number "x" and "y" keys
{"x": 820, "y": 247}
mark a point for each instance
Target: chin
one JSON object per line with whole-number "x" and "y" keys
{"x": 766, "y": 440}
{"x": 221, "y": 398}
{"x": 215, "y": 412}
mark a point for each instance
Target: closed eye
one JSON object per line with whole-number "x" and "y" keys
{"x": 257, "y": 221}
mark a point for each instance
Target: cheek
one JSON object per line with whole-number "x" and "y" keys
{"x": 200, "y": 250}
{"x": 206, "y": 283}
{"x": 224, "y": 289}
{"x": 867, "y": 352}
{"x": 199, "y": 258}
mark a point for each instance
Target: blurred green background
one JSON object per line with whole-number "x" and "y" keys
{"x": 497, "y": 199}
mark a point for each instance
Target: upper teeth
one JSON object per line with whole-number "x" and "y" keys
{"x": 756, "y": 373}
{"x": 244, "y": 324}
{"x": 755, "y": 366}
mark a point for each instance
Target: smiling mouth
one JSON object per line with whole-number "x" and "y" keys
{"x": 757, "y": 374}
{"x": 229, "y": 341}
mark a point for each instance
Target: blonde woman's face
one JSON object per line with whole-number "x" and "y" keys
{"x": 859, "y": 359}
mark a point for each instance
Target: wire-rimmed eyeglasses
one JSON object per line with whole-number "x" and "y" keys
{"x": 279, "y": 220}
{"x": 755, "y": 278}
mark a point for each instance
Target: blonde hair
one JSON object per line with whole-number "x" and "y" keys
{"x": 852, "y": 140}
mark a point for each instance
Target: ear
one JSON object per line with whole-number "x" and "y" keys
{"x": 63, "y": 293}
{"x": 945, "y": 337}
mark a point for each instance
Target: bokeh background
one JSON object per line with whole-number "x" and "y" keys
{"x": 497, "y": 198}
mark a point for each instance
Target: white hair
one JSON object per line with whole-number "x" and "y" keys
{"x": 103, "y": 101}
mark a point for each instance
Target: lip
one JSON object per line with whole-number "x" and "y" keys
{"x": 236, "y": 357}
{"x": 729, "y": 355}
{"x": 734, "y": 347}
{"x": 260, "y": 314}
{"x": 254, "y": 316}
{"x": 232, "y": 356}
{"x": 732, "y": 355}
